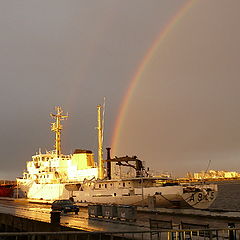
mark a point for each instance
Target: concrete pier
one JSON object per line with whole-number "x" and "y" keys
{"x": 10, "y": 223}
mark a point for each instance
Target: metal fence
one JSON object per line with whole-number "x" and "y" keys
{"x": 190, "y": 234}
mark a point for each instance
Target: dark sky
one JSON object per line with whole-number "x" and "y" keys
{"x": 185, "y": 109}
{"x": 73, "y": 53}
{"x": 70, "y": 53}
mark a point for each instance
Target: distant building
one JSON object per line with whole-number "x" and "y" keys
{"x": 214, "y": 174}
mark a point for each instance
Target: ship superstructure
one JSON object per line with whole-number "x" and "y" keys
{"x": 48, "y": 173}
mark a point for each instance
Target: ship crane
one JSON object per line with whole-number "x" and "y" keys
{"x": 123, "y": 161}
{"x": 57, "y": 128}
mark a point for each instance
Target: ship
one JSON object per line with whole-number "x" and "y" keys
{"x": 6, "y": 190}
{"x": 120, "y": 180}
{"x": 138, "y": 188}
{"x": 48, "y": 174}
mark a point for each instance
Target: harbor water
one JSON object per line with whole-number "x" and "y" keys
{"x": 228, "y": 196}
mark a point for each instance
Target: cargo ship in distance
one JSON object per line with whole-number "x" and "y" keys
{"x": 54, "y": 175}
{"x": 6, "y": 189}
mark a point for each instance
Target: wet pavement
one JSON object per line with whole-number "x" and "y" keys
{"x": 81, "y": 221}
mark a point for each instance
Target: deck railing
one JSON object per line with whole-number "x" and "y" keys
{"x": 3, "y": 182}
{"x": 192, "y": 234}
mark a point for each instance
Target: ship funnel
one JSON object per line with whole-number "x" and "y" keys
{"x": 108, "y": 162}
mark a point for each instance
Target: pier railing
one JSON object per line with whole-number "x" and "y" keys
{"x": 227, "y": 233}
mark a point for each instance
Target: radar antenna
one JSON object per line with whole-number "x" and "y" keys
{"x": 57, "y": 128}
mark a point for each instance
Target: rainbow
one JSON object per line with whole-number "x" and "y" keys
{"x": 141, "y": 68}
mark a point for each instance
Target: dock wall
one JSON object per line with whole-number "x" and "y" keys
{"x": 10, "y": 223}
{"x": 14, "y": 227}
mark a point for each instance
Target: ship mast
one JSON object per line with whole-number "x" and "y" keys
{"x": 100, "y": 144}
{"x": 57, "y": 128}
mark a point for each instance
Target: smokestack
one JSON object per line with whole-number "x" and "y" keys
{"x": 108, "y": 163}
{"x": 139, "y": 168}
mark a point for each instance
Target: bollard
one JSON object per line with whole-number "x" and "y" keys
{"x": 232, "y": 233}
{"x": 55, "y": 217}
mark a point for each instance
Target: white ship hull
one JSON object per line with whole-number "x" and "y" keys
{"x": 43, "y": 191}
{"x": 124, "y": 196}
{"x": 166, "y": 196}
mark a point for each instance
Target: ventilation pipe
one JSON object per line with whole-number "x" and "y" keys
{"x": 108, "y": 163}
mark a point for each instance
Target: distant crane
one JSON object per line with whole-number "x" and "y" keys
{"x": 209, "y": 162}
